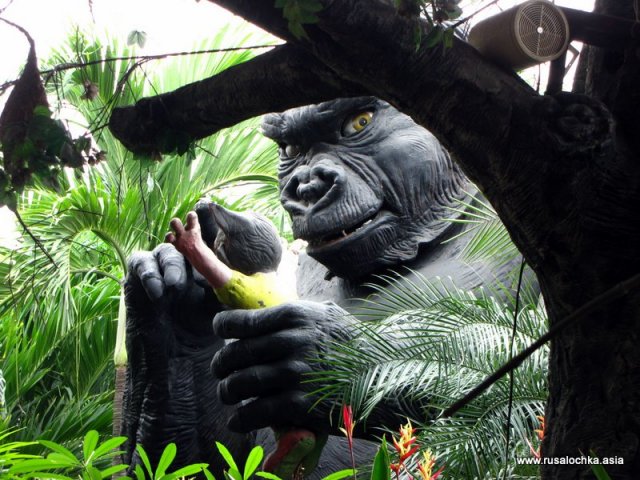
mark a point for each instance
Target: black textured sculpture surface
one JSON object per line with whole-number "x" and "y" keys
{"x": 370, "y": 191}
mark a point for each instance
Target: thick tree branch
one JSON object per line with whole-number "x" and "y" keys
{"x": 283, "y": 78}
{"x": 506, "y": 137}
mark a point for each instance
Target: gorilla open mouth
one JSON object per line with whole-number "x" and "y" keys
{"x": 338, "y": 239}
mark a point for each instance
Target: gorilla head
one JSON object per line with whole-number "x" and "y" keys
{"x": 363, "y": 183}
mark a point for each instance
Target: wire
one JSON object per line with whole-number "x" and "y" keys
{"x": 511, "y": 373}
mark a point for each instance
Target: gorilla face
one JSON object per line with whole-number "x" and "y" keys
{"x": 363, "y": 183}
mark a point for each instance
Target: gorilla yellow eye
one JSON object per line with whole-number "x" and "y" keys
{"x": 356, "y": 123}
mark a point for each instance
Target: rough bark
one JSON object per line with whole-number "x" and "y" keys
{"x": 594, "y": 368}
{"x": 563, "y": 173}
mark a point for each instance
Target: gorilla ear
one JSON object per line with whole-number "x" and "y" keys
{"x": 273, "y": 126}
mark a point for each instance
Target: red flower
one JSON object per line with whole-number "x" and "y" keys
{"x": 349, "y": 424}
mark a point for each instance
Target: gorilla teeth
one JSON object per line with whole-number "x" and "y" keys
{"x": 340, "y": 235}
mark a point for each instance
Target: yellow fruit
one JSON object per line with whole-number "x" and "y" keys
{"x": 259, "y": 290}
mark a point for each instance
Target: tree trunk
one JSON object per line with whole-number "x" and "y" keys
{"x": 594, "y": 371}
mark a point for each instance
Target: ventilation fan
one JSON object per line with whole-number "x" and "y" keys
{"x": 528, "y": 34}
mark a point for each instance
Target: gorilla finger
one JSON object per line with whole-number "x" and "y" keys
{"x": 284, "y": 409}
{"x": 255, "y": 323}
{"x": 172, "y": 265}
{"x": 144, "y": 267}
{"x": 170, "y": 238}
{"x": 261, "y": 380}
{"x": 251, "y": 352}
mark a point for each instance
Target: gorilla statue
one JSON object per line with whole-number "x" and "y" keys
{"x": 370, "y": 191}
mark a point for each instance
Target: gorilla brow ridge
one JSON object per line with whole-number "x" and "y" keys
{"x": 299, "y": 125}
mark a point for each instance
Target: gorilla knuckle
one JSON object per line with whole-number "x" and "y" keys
{"x": 224, "y": 322}
{"x": 164, "y": 248}
{"x": 149, "y": 275}
{"x": 217, "y": 365}
{"x": 294, "y": 369}
{"x": 223, "y": 392}
{"x": 136, "y": 259}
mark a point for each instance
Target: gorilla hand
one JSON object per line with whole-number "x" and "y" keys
{"x": 163, "y": 279}
{"x": 170, "y": 343}
{"x": 276, "y": 348}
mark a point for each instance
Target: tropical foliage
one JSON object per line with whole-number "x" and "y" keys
{"x": 60, "y": 287}
{"x": 450, "y": 340}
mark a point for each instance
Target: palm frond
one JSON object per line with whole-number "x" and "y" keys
{"x": 489, "y": 238}
{"x": 59, "y": 294}
{"x": 426, "y": 344}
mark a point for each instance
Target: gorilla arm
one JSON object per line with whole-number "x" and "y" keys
{"x": 170, "y": 343}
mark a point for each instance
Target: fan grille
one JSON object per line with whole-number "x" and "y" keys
{"x": 541, "y": 30}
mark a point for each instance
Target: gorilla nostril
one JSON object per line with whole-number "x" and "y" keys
{"x": 310, "y": 191}
{"x": 326, "y": 171}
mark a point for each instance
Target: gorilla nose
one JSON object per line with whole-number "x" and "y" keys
{"x": 308, "y": 184}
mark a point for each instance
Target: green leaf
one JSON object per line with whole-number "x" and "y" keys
{"x": 253, "y": 461}
{"x": 268, "y": 475}
{"x": 381, "y": 462}
{"x": 145, "y": 459}
{"x": 89, "y": 444}
{"x": 168, "y": 455}
{"x": 93, "y": 472}
{"x": 56, "y": 476}
{"x": 108, "y": 445}
{"x": 598, "y": 470}
{"x": 208, "y": 475}
{"x": 232, "y": 474}
{"x": 340, "y": 474}
{"x": 34, "y": 465}
{"x": 226, "y": 454}
{"x": 42, "y": 110}
{"x": 297, "y": 30}
{"x": 447, "y": 38}
{"x": 140, "y": 473}
{"x": 185, "y": 471}
{"x": 434, "y": 37}
{"x": 59, "y": 449}
{"x": 137, "y": 37}
{"x": 108, "y": 472}
{"x": 454, "y": 13}
{"x": 61, "y": 459}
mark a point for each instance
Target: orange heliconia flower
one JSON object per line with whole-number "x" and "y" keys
{"x": 405, "y": 444}
{"x": 540, "y": 433}
{"x": 425, "y": 467}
